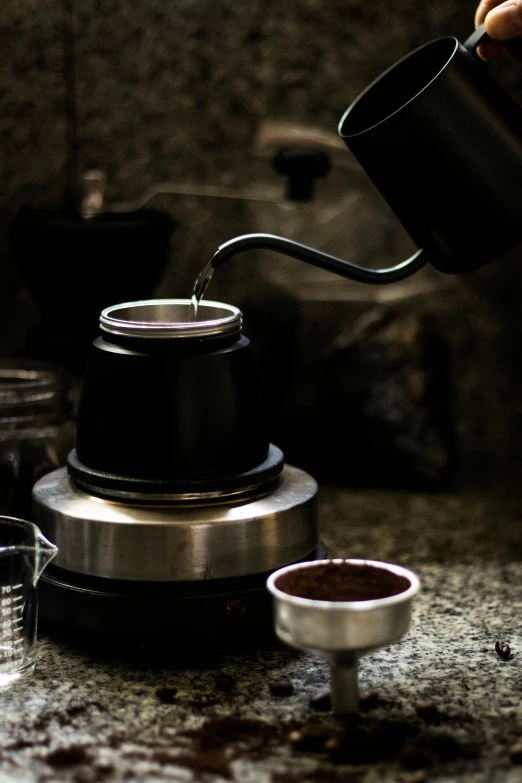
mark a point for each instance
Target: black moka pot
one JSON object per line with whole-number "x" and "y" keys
{"x": 174, "y": 506}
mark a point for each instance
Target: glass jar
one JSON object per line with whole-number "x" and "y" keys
{"x": 37, "y": 429}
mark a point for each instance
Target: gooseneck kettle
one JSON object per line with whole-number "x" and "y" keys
{"x": 442, "y": 141}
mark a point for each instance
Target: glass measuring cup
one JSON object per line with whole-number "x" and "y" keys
{"x": 24, "y": 553}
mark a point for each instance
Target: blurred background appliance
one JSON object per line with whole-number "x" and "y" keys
{"x": 75, "y": 264}
{"x": 73, "y": 257}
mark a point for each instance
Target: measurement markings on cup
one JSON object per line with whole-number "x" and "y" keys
{"x": 11, "y": 621}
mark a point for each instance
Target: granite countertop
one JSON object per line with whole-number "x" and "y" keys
{"x": 441, "y": 704}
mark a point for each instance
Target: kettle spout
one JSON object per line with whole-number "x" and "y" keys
{"x": 44, "y": 553}
{"x": 310, "y": 256}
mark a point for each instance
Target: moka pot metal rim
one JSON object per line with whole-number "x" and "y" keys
{"x": 170, "y": 318}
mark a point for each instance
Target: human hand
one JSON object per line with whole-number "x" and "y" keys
{"x": 503, "y": 22}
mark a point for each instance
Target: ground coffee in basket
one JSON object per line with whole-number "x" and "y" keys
{"x": 342, "y": 581}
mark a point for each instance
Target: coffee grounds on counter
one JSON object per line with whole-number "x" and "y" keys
{"x": 369, "y": 701}
{"x": 413, "y": 756}
{"x": 166, "y": 694}
{"x": 311, "y": 737}
{"x": 515, "y": 752}
{"x": 342, "y": 581}
{"x": 224, "y": 682}
{"x": 232, "y": 730}
{"x": 366, "y": 740}
{"x": 428, "y": 712}
{"x": 502, "y": 649}
{"x": 67, "y": 757}
{"x": 321, "y": 703}
{"x": 218, "y": 742}
{"x": 280, "y": 688}
{"x": 202, "y": 703}
{"x": 235, "y": 737}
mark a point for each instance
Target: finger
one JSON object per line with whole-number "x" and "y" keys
{"x": 483, "y": 9}
{"x": 489, "y": 49}
{"x": 504, "y": 22}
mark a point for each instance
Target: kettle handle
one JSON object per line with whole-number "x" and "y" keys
{"x": 476, "y": 37}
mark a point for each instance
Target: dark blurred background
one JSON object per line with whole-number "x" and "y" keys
{"x": 416, "y": 385}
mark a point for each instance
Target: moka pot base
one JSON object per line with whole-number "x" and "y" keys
{"x": 159, "y": 567}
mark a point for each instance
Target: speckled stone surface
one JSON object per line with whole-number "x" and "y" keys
{"x": 178, "y": 92}
{"x": 92, "y": 713}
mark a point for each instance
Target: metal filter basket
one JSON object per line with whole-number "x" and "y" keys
{"x": 344, "y": 630}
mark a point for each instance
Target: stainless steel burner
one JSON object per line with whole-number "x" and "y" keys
{"x": 171, "y": 543}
